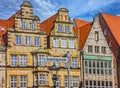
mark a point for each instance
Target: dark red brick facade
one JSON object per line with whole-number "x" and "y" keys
{"x": 114, "y": 48}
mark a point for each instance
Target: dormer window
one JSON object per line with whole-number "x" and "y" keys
{"x": 31, "y": 26}
{"x": 23, "y": 25}
{"x": 67, "y": 29}
{"x": 105, "y": 32}
{"x": 60, "y": 28}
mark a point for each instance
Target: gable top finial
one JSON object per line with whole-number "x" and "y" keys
{"x": 26, "y": 4}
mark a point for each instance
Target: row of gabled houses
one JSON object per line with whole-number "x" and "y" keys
{"x": 26, "y": 44}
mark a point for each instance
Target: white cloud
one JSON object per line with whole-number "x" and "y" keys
{"x": 45, "y": 9}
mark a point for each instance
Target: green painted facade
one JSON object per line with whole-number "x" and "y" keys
{"x": 97, "y": 57}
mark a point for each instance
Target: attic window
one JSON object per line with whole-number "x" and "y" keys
{"x": 105, "y": 32}
{"x": 96, "y": 35}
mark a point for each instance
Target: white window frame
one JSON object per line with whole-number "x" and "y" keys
{"x": 27, "y": 40}
{"x": 23, "y": 60}
{"x": 18, "y": 40}
{"x": 41, "y": 60}
{"x": 31, "y": 25}
{"x": 56, "y": 42}
{"x": 36, "y": 41}
{"x": 74, "y": 62}
{"x": 13, "y": 82}
{"x": 42, "y": 79}
{"x": 59, "y": 28}
{"x": 66, "y": 81}
{"x": 67, "y": 29}
{"x": 72, "y": 43}
{"x": 103, "y": 49}
{"x": 90, "y": 48}
{"x": 23, "y": 25}
{"x": 13, "y": 60}
{"x": 23, "y": 81}
{"x": 64, "y": 43}
{"x": 75, "y": 82}
{"x": 97, "y": 49}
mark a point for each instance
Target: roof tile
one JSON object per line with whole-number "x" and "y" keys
{"x": 113, "y": 22}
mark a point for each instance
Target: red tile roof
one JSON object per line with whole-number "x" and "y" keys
{"x": 7, "y": 24}
{"x": 48, "y": 24}
{"x": 113, "y": 22}
{"x": 79, "y": 23}
{"x": 82, "y": 30}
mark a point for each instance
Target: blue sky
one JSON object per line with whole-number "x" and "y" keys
{"x": 81, "y": 9}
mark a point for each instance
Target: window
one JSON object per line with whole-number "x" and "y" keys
{"x": 96, "y": 49}
{"x": 64, "y": 43}
{"x": 103, "y": 49}
{"x": 31, "y": 26}
{"x": 23, "y": 25}
{"x": 96, "y": 35}
{"x": 74, "y": 62}
{"x": 13, "y": 60}
{"x": 72, "y": 44}
{"x": 35, "y": 79}
{"x": 56, "y": 42}
{"x": 60, "y": 28}
{"x": 41, "y": 60}
{"x": 90, "y": 49}
{"x": 75, "y": 82}
{"x": 36, "y": 41}
{"x": 66, "y": 64}
{"x": 13, "y": 82}
{"x": 66, "y": 82}
{"x": 23, "y": 82}
{"x": 58, "y": 82}
{"x": 23, "y": 60}
{"x": 86, "y": 63}
{"x": 67, "y": 29}
{"x": 27, "y": 40}
{"x": 42, "y": 79}
{"x": 18, "y": 40}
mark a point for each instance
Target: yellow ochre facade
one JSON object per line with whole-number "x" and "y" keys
{"x": 31, "y": 42}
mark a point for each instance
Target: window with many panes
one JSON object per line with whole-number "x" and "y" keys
{"x": 75, "y": 82}
{"x": 66, "y": 82}
{"x": 67, "y": 29}
{"x": 64, "y": 43}
{"x": 72, "y": 44}
{"x": 41, "y": 60}
{"x": 13, "y": 82}
{"x": 90, "y": 49}
{"x": 56, "y": 42}
{"x": 97, "y": 67}
{"x": 42, "y": 79}
{"x": 32, "y": 26}
{"x": 13, "y": 60}
{"x": 23, "y": 82}
{"x": 103, "y": 49}
{"x": 36, "y": 41}
{"x": 23, "y": 25}
{"x": 18, "y": 39}
{"x": 60, "y": 28}
{"x": 27, "y": 40}
{"x": 96, "y": 49}
{"x": 98, "y": 84}
{"x": 74, "y": 62}
{"x": 23, "y": 60}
